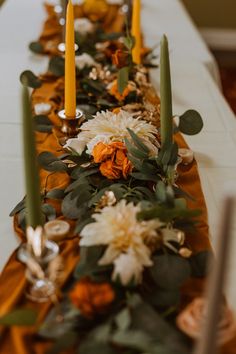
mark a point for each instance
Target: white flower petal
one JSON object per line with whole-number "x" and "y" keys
{"x": 83, "y": 25}
{"x": 42, "y": 108}
{"x": 76, "y": 145}
{"x": 83, "y": 60}
{"x": 114, "y": 127}
{"x": 115, "y": 2}
{"x": 127, "y": 267}
{"x": 109, "y": 256}
{"x": 101, "y": 138}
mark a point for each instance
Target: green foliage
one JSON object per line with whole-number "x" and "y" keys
{"x": 129, "y": 42}
{"x": 49, "y": 211}
{"x": 64, "y": 342}
{"x": 93, "y": 346}
{"x": 29, "y": 79}
{"x": 51, "y": 163}
{"x": 57, "y": 66}
{"x": 190, "y": 123}
{"x": 88, "y": 265}
{"x": 18, "y": 207}
{"x": 201, "y": 263}
{"x": 55, "y": 194}
{"x": 43, "y": 124}
{"x": 122, "y": 79}
{"x": 52, "y": 328}
{"x": 19, "y": 317}
{"x": 96, "y": 87}
{"x": 170, "y": 271}
{"x": 36, "y": 47}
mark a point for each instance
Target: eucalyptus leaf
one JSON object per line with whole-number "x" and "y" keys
{"x": 129, "y": 42}
{"x": 135, "y": 339}
{"x": 70, "y": 208}
{"x": 57, "y": 66}
{"x": 29, "y": 79}
{"x": 146, "y": 319}
{"x": 89, "y": 257}
{"x": 81, "y": 224}
{"x": 102, "y": 332}
{"x": 190, "y": 123}
{"x": 19, "y": 317}
{"x": 113, "y": 36}
{"x": 36, "y": 47}
{"x": 145, "y": 177}
{"x": 169, "y": 271}
{"x": 163, "y": 298}
{"x": 55, "y": 194}
{"x": 105, "y": 103}
{"x": 51, "y": 163}
{"x": 18, "y": 207}
{"x": 201, "y": 263}
{"x": 64, "y": 342}
{"x": 167, "y": 214}
{"x": 139, "y": 154}
{"x": 123, "y": 78}
{"x": 123, "y": 319}
{"x": 92, "y": 347}
{"x": 161, "y": 192}
{"x": 43, "y": 124}
{"x": 138, "y": 142}
{"x": 49, "y": 211}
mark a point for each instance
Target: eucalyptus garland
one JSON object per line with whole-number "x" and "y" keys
{"x": 131, "y": 216}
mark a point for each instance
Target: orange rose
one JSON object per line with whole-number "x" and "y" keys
{"x": 118, "y": 145}
{"x": 114, "y": 91}
{"x": 110, "y": 170}
{"x": 91, "y": 298}
{"x": 120, "y": 58}
{"x": 126, "y": 168}
{"x": 120, "y": 157}
{"x": 102, "y": 151}
{"x": 114, "y": 159}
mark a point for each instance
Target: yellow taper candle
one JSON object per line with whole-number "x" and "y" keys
{"x": 70, "y": 73}
{"x": 136, "y": 31}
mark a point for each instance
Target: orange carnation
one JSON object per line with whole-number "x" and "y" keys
{"x": 114, "y": 91}
{"x": 91, "y": 298}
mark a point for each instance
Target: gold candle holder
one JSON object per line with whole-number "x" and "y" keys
{"x": 70, "y": 126}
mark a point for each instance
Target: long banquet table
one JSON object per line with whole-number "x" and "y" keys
{"x": 194, "y": 76}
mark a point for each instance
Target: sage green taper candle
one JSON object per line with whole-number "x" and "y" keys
{"x": 165, "y": 95}
{"x": 32, "y": 184}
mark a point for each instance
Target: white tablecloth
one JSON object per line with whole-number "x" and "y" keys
{"x": 193, "y": 87}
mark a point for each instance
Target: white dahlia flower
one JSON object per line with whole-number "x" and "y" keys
{"x": 126, "y": 239}
{"x": 108, "y": 127}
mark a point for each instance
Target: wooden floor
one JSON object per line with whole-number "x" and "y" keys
{"x": 227, "y": 63}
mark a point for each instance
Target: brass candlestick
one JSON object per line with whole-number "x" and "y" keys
{"x": 70, "y": 126}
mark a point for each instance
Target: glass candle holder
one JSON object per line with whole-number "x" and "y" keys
{"x": 41, "y": 287}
